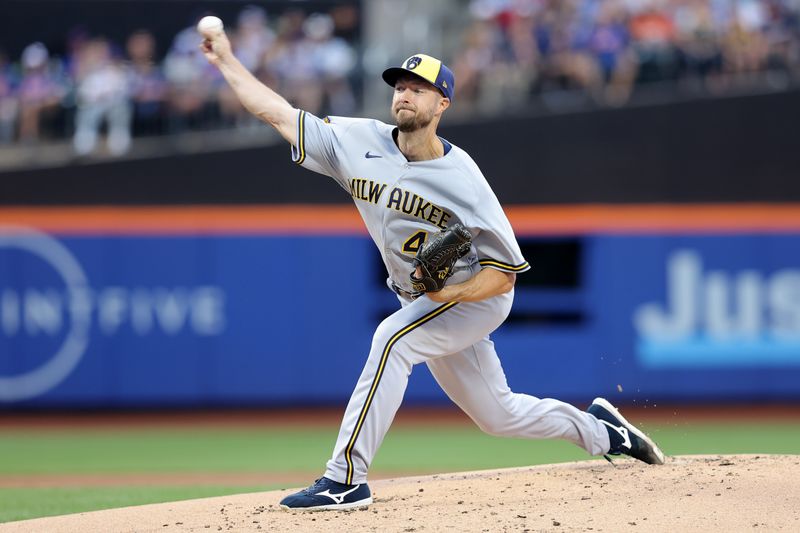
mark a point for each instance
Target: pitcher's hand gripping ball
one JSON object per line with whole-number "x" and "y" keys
{"x": 209, "y": 26}
{"x": 436, "y": 259}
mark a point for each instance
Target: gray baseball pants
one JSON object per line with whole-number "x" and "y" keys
{"x": 453, "y": 340}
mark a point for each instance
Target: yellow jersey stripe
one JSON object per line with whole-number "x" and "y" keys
{"x": 503, "y": 266}
{"x": 301, "y": 141}
{"x": 381, "y": 365}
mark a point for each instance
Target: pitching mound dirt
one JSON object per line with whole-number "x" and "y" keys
{"x": 692, "y": 493}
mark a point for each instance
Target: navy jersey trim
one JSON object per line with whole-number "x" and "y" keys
{"x": 447, "y": 146}
{"x": 377, "y": 379}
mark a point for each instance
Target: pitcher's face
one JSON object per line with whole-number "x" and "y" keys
{"x": 415, "y": 103}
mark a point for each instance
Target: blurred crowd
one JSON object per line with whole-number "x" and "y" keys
{"x": 509, "y": 52}
{"x": 100, "y": 89}
{"x": 603, "y": 50}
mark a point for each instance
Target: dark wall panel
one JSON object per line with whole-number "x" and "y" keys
{"x": 241, "y": 176}
{"x": 740, "y": 149}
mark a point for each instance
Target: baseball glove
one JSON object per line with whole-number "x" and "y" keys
{"x": 437, "y": 258}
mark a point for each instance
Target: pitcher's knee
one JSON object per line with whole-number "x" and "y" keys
{"x": 383, "y": 336}
{"x": 493, "y": 428}
{"x": 499, "y": 420}
{"x": 492, "y": 424}
{"x": 385, "y": 343}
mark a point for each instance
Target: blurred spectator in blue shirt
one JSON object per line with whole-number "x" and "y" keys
{"x": 148, "y": 88}
{"x": 610, "y": 43}
{"x": 8, "y": 100}
{"x": 39, "y": 91}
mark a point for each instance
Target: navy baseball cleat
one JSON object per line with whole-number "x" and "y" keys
{"x": 625, "y": 437}
{"x": 326, "y": 494}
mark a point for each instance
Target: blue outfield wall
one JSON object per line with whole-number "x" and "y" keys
{"x": 141, "y": 321}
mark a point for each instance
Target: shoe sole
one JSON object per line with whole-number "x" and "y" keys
{"x": 659, "y": 455}
{"x": 332, "y": 507}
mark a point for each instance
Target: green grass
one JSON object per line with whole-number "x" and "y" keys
{"x": 305, "y": 450}
{"x": 163, "y": 450}
{"x": 292, "y": 449}
{"x": 728, "y": 438}
{"x": 21, "y": 504}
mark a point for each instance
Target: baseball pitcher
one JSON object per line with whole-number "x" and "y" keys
{"x": 451, "y": 258}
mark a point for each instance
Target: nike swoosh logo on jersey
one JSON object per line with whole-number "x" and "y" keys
{"x": 338, "y": 498}
{"x": 622, "y": 430}
{"x": 371, "y": 156}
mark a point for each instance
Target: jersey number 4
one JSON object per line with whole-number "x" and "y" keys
{"x": 413, "y": 243}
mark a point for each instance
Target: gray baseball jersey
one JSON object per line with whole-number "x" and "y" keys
{"x": 401, "y": 203}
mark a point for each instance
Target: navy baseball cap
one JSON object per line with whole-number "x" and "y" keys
{"x": 426, "y": 67}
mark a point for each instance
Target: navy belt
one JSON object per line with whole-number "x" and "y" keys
{"x": 404, "y": 293}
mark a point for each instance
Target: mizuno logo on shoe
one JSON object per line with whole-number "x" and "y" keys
{"x": 338, "y": 498}
{"x": 623, "y": 431}
{"x": 371, "y": 156}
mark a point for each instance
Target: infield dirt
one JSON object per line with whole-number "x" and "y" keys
{"x": 689, "y": 493}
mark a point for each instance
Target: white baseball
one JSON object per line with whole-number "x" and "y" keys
{"x": 209, "y": 26}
